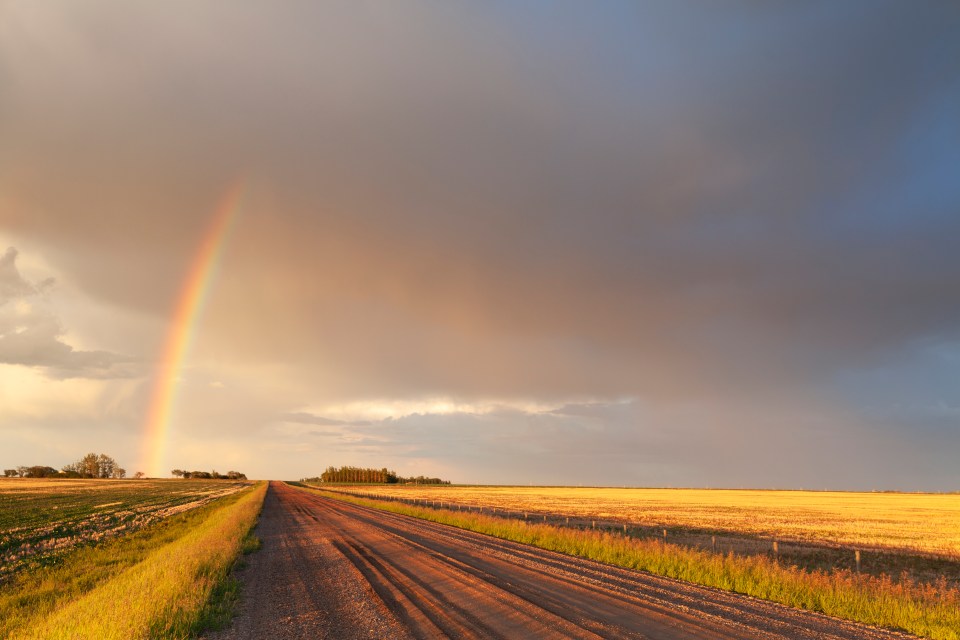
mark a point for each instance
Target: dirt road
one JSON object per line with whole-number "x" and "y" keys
{"x": 333, "y": 570}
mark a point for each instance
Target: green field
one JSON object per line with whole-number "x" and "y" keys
{"x": 42, "y": 519}
{"x": 137, "y": 559}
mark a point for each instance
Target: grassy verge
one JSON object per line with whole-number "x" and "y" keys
{"x": 168, "y": 581}
{"x": 932, "y": 611}
{"x": 219, "y": 610}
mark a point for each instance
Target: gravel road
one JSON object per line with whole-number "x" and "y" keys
{"x": 333, "y": 570}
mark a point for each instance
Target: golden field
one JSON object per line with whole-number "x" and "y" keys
{"x": 925, "y": 609}
{"x": 925, "y": 523}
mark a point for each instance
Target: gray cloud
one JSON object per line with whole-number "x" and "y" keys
{"x": 730, "y": 206}
{"x": 636, "y": 444}
{"x": 301, "y": 417}
{"x": 30, "y": 335}
{"x": 12, "y": 284}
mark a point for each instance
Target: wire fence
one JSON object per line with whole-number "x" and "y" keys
{"x": 824, "y": 553}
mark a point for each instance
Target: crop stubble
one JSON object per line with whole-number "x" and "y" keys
{"x": 42, "y": 519}
{"x": 916, "y": 523}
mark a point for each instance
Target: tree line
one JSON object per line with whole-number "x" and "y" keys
{"x": 209, "y": 475}
{"x": 91, "y": 465}
{"x": 358, "y": 475}
{"x": 101, "y": 465}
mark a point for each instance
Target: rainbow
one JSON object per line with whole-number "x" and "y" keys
{"x": 192, "y": 295}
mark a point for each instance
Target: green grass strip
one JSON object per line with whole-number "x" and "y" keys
{"x": 168, "y": 581}
{"x": 931, "y": 611}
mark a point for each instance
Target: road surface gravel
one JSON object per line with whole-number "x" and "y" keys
{"x": 330, "y": 569}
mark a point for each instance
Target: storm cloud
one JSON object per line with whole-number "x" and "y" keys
{"x": 732, "y": 212}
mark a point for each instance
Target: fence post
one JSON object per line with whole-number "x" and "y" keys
{"x": 856, "y": 556}
{"x": 664, "y": 536}
{"x": 776, "y": 550}
{"x": 713, "y": 543}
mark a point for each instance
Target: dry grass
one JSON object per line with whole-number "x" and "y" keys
{"x": 925, "y": 523}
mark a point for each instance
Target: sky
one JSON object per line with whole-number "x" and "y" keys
{"x": 650, "y": 244}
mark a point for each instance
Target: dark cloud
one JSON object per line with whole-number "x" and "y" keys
{"x": 635, "y": 444}
{"x": 730, "y": 205}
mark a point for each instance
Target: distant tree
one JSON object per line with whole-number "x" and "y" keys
{"x": 88, "y": 466}
{"x": 107, "y": 467}
{"x": 10, "y": 473}
{"x": 118, "y": 472}
{"x": 139, "y": 474}
{"x": 358, "y": 475}
{"x": 22, "y": 471}
{"x": 93, "y": 465}
{"x": 85, "y": 467}
{"x": 41, "y": 472}
{"x": 209, "y": 475}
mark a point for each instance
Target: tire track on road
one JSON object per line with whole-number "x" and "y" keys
{"x": 660, "y": 596}
{"x": 420, "y": 579}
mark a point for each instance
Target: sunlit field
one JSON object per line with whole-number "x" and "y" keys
{"x": 930, "y": 610}
{"x": 44, "y": 518}
{"x": 925, "y": 523}
{"x": 138, "y": 559}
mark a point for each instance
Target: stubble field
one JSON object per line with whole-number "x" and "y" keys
{"x": 926, "y": 524}
{"x": 42, "y": 519}
{"x": 913, "y": 584}
{"x": 113, "y": 559}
